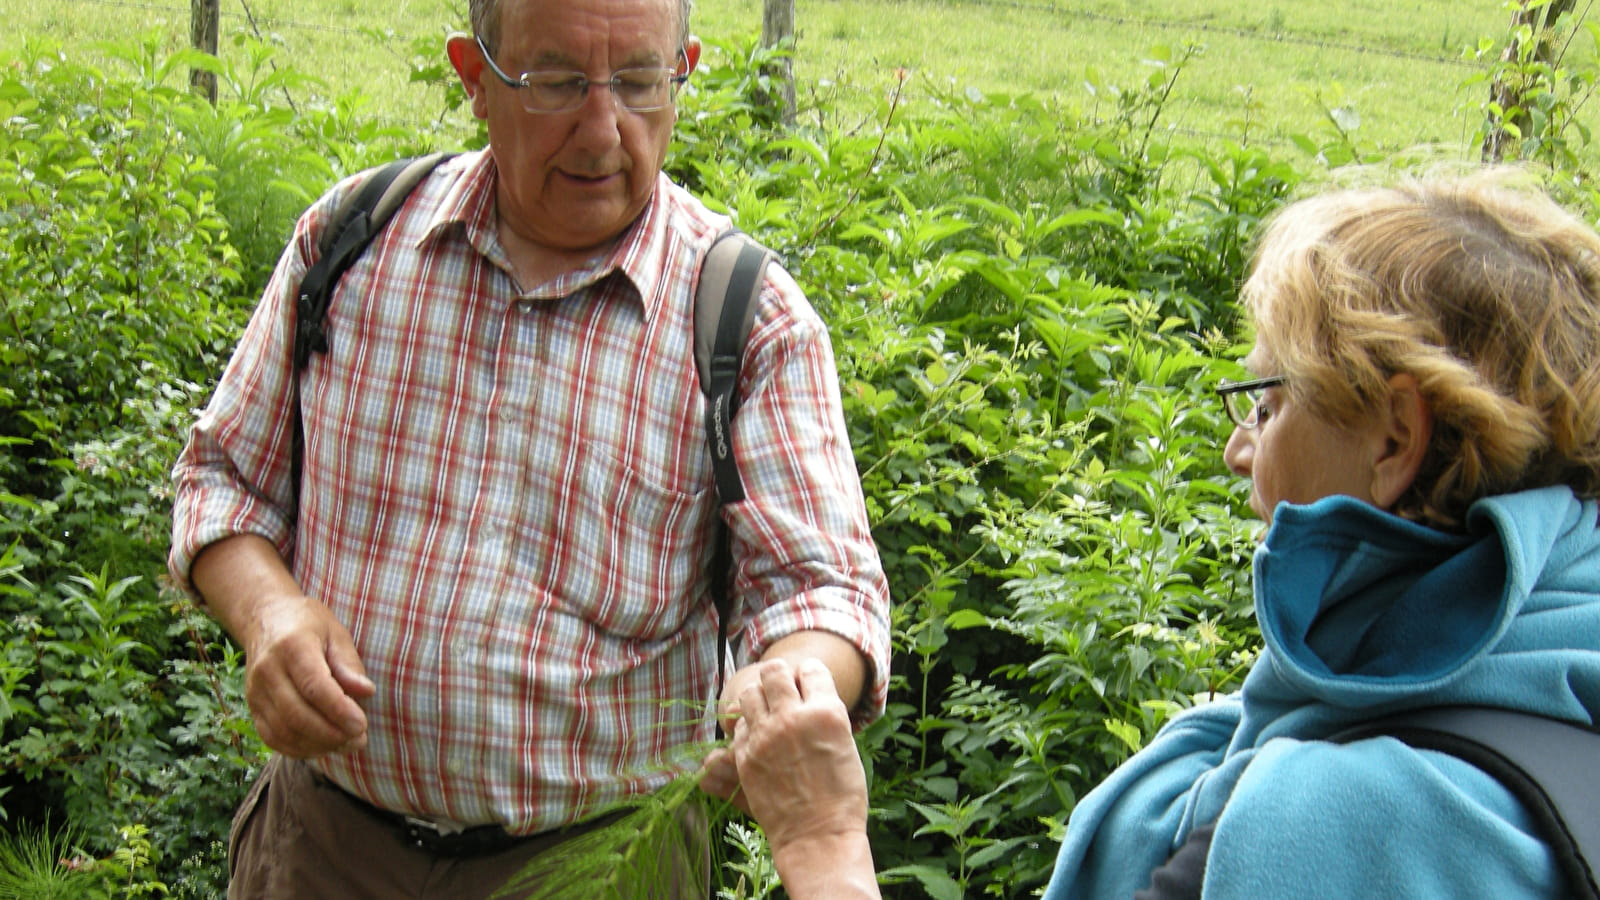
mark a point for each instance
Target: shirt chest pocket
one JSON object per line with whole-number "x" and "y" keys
{"x": 627, "y": 553}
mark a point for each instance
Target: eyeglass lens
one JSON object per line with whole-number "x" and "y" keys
{"x": 1242, "y": 406}
{"x": 638, "y": 89}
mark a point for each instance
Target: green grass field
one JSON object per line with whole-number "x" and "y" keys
{"x": 1396, "y": 62}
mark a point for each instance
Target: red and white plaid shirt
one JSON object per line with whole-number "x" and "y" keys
{"x": 507, "y": 499}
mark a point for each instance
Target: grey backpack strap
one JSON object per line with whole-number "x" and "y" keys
{"x": 725, "y": 307}
{"x": 725, "y": 298}
{"x": 1547, "y": 763}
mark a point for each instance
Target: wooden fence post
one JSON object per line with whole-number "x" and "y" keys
{"x": 777, "y": 28}
{"x": 1509, "y": 95}
{"x": 203, "y": 16}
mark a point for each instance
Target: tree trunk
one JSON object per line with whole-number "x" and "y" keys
{"x": 777, "y": 28}
{"x": 203, "y": 17}
{"x": 1508, "y": 93}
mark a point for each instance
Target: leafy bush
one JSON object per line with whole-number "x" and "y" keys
{"x": 119, "y": 261}
{"x": 1536, "y": 86}
{"x": 121, "y": 299}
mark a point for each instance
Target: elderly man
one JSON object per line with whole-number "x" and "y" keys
{"x": 478, "y": 620}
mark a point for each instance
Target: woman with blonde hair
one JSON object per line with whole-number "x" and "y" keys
{"x": 1422, "y": 437}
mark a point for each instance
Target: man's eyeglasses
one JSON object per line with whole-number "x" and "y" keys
{"x": 1239, "y": 398}
{"x": 638, "y": 88}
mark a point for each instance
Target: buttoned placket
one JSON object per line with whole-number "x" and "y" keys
{"x": 493, "y": 525}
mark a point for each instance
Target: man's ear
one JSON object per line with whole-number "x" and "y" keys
{"x": 1405, "y": 428}
{"x": 691, "y": 53}
{"x": 468, "y": 62}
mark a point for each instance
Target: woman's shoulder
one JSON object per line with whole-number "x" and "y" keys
{"x": 1374, "y": 818}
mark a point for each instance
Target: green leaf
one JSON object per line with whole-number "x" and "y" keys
{"x": 966, "y": 618}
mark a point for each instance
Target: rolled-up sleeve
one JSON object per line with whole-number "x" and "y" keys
{"x": 806, "y": 558}
{"x": 234, "y": 473}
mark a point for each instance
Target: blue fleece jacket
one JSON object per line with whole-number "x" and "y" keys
{"x": 1365, "y": 614}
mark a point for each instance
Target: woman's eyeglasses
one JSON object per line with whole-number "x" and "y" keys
{"x": 1239, "y": 398}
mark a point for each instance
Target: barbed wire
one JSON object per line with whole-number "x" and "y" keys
{"x": 1281, "y": 37}
{"x": 1057, "y": 9}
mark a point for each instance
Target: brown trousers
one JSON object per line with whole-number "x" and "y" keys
{"x": 298, "y": 837}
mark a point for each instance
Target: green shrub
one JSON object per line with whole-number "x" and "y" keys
{"x": 37, "y": 864}
{"x": 119, "y": 258}
{"x": 121, "y": 299}
{"x": 1534, "y": 86}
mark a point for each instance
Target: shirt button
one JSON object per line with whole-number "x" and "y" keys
{"x": 455, "y": 767}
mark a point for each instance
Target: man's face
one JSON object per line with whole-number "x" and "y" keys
{"x": 575, "y": 180}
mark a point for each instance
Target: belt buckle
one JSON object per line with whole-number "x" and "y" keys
{"x": 425, "y": 833}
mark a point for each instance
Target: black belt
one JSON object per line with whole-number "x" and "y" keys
{"x": 477, "y": 840}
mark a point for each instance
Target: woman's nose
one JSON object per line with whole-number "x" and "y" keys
{"x": 1240, "y": 452}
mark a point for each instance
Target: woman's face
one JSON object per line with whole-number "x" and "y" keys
{"x": 1292, "y": 456}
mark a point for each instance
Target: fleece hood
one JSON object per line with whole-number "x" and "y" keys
{"x": 1364, "y": 613}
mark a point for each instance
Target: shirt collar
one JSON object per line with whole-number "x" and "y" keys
{"x": 639, "y": 257}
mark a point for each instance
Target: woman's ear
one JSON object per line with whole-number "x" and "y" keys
{"x": 468, "y": 62}
{"x": 1406, "y": 430}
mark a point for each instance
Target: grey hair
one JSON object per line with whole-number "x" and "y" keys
{"x": 484, "y": 15}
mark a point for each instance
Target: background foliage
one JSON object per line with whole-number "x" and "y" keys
{"x": 1028, "y": 306}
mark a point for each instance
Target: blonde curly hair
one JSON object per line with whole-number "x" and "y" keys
{"x": 1488, "y": 294}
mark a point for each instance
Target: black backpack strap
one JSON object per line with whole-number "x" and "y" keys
{"x": 359, "y": 218}
{"x": 725, "y": 297}
{"x": 1547, "y": 763}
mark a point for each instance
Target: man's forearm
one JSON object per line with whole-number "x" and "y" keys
{"x": 234, "y": 575}
{"x": 304, "y": 679}
{"x": 845, "y": 662}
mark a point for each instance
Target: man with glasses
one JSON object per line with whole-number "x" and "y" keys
{"x": 486, "y": 616}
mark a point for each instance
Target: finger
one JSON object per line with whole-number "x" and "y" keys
{"x": 752, "y": 704}
{"x": 778, "y": 683}
{"x": 328, "y": 700}
{"x": 728, "y": 713}
{"x": 719, "y": 775}
{"x": 289, "y": 725}
{"x": 301, "y": 709}
{"x": 345, "y": 664}
{"x": 815, "y": 681}
{"x": 728, "y": 703}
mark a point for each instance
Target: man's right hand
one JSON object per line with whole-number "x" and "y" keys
{"x": 303, "y": 678}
